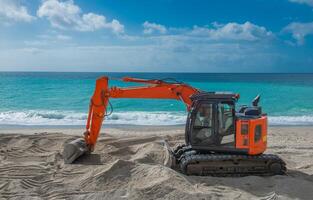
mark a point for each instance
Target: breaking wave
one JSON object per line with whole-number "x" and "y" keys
{"x": 291, "y": 120}
{"x": 74, "y": 118}
{"x": 135, "y": 118}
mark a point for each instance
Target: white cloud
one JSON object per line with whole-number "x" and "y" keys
{"x": 300, "y": 30}
{"x": 150, "y": 28}
{"x": 308, "y": 2}
{"x": 11, "y": 10}
{"x": 216, "y": 32}
{"x": 232, "y": 31}
{"x": 65, "y": 14}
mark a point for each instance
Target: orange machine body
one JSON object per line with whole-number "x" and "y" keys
{"x": 251, "y": 134}
{"x": 245, "y": 136}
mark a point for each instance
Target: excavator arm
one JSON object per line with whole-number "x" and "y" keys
{"x": 155, "y": 89}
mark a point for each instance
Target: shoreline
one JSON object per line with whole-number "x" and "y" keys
{"x": 5, "y": 128}
{"x": 138, "y": 131}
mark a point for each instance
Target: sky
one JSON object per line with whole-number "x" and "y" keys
{"x": 157, "y": 35}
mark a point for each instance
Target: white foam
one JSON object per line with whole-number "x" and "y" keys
{"x": 73, "y": 118}
{"x": 34, "y": 117}
{"x": 291, "y": 120}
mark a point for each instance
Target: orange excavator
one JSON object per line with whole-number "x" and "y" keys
{"x": 219, "y": 140}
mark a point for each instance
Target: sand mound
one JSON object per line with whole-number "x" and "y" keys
{"x": 31, "y": 167}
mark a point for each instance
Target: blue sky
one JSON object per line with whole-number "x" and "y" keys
{"x": 154, "y": 36}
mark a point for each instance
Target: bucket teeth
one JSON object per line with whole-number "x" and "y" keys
{"x": 74, "y": 150}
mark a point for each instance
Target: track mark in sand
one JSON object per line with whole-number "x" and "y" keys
{"x": 52, "y": 184}
{"x": 9, "y": 195}
{"x": 36, "y": 149}
{"x": 22, "y": 153}
{"x": 31, "y": 183}
{"x": 22, "y": 171}
{"x": 4, "y": 186}
{"x": 18, "y": 168}
{"x": 62, "y": 195}
{"x": 15, "y": 152}
{"x": 16, "y": 155}
{"x": 270, "y": 196}
{"x": 26, "y": 184}
{"x": 4, "y": 167}
{"x": 17, "y": 176}
{"x": 218, "y": 189}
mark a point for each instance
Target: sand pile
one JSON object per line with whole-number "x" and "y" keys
{"x": 31, "y": 167}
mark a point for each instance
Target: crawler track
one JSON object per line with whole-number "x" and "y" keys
{"x": 191, "y": 162}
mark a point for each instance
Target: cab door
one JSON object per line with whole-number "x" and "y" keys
{"x": 202, "y": 124}
{"x": 212, "y": 126}
{"x": 226, "y": 123}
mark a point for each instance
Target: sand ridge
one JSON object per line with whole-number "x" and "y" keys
{"x": 128, "y": 164}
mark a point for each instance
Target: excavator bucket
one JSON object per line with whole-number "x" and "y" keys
{"x": 170, "y": 160}
{"x": 74, "y": 150}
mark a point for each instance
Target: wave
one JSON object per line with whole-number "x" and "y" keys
{"x": 35, "y": 117}
{"x": 291, "y": 120}
{"x": 74, "y": 118}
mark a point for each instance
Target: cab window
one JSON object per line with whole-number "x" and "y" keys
{"x": 226, "y": 123}
{"x": 202, "y": 131}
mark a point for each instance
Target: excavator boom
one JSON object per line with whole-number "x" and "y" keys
{"x": 154, "y": 89}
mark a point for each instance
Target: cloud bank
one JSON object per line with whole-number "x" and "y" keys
{"x": 233, "y": 31}
{"x": 216, "y": 32}
{"x": 11, "y": 10}
{"x": 67, "y": 15}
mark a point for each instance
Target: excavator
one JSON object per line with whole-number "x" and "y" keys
{"x": 220, "y": 140}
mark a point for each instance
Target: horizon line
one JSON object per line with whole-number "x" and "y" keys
{"x": 156, "y": 72}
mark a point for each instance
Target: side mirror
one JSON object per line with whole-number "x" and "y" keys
{"x": 256, "y": 100}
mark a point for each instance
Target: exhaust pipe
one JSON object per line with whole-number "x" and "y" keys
{"x": 74, "y": 150}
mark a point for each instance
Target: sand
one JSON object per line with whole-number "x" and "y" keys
{"x": 127, "y": 164}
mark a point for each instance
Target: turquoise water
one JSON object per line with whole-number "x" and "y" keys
{"x": 63, "y": 98}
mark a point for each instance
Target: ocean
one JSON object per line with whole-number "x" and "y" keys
{"x": 51, "y": 98}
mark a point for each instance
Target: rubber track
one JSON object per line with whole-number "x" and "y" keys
{"x": 210, "y": 166}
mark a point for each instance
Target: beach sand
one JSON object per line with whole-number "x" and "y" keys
{"x": 127, "y": 164}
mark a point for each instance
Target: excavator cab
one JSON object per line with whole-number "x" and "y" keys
{"x": 214, "y": 125}
{"x": 211, "y": 122}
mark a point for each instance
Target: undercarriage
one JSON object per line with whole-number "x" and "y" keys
{"x": 192, "y": 162}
